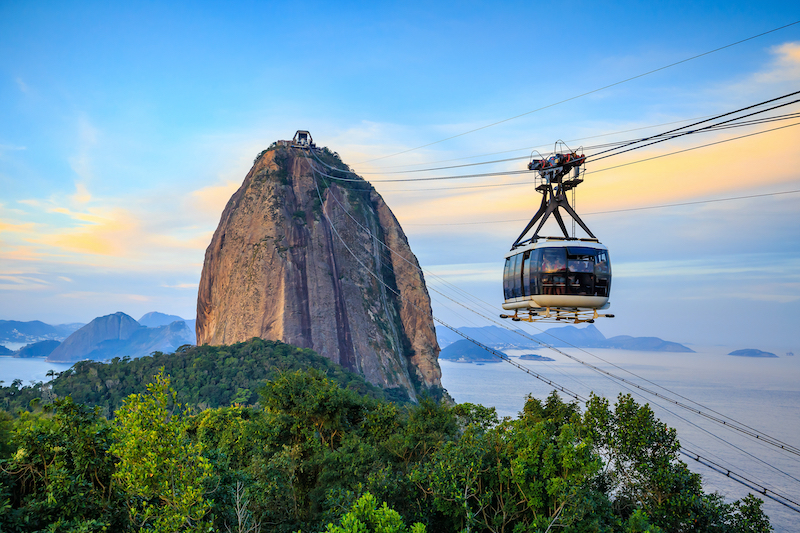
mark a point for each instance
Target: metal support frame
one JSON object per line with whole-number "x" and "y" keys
{"x": 553, "y": 314}
{"x": 554, "y": 197}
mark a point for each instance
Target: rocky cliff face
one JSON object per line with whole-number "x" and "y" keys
{"x": 288, "y": 263}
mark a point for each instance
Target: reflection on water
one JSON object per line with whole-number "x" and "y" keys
{"x": 762, "y": 393}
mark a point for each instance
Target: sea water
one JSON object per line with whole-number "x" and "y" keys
{"x": 763, "y": 393}
{"x": 29, "y": 369}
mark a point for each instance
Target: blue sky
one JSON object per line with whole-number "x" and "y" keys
{"x": 126, "y": 127}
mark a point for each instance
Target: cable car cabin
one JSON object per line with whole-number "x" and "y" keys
{"x": 568, "y": 275}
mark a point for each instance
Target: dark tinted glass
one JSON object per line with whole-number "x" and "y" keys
{"x": 526, "y": 274}
{"x": 554, "y": 260}
{"x": 534, "y": 265}
{"x": 517, "y": 287}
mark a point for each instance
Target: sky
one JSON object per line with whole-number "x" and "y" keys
{"x": 125, "y": 128}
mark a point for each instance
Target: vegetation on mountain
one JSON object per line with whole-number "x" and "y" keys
{"x": 202, "y": 376}
{"x": 38, "y": 349}
{"x": 316, "y": 456}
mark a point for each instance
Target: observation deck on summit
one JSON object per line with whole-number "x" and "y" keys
{"x": 302, "y": 139}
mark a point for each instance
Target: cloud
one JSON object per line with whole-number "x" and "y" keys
{"x": 180, "y": 286}
{"x": 22, "y": 85}
{"x": 90, "y": 296}
{"x": 21, "y": 282}
{"x": 459, "y": 273}
{"x": 784, "y": 67}
{"x": 81, "y": 195}
{"x": 211, "y": 200}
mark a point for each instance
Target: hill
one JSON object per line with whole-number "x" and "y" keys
{"x": 203, "y": 376}
{"x": 154, "y": 319}
{"x": 14, "y": 331}
{"x": 37, "y": 349}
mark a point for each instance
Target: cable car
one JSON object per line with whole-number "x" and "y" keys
{"x": 554, "y": 278}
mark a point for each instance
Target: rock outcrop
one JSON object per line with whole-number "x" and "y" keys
{"x": 298, "y": 258}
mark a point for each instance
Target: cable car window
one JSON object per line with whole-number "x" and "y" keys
{"x": 602, "y": 271}
{"x": 601, "y": 263}
{"x": 534, "y": 268}
{"x": 507, "y": 279}
{"x": 554, "y": 269}
{"x": 517, "y": 280}
{"x": 554, "y": 260}
{"x": 526, "y": 274}
{"x": 580, "y": 264}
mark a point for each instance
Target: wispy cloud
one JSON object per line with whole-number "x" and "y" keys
{"x": 180, "y": 286}
{"x": 22, "y": 85}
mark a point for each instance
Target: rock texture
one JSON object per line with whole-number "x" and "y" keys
{"x": 298, "y": 259}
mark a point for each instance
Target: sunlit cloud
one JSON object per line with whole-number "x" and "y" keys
{"x": 211, "y": 200}
{"x": 90, "y": 296}
{"x": 21, "y": 282}
{"x": 784, "y": 67}
{"x": 180, "y": 286}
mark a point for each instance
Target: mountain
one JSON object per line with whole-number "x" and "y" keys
{"x": 564, "y": 337}
{"x": 14, "y": 331}
{"x": 6, "y": 351}
{"x": 752, "y": 352}
{"x": 37, "y": 349}
{"x": 81, "y": 343}
{"x": 119, "y": 335}
{"x": 299, "y": 259}
{"x": 155, "y": 319}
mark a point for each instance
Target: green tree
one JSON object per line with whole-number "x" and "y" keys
{"x": 160, "y": 469}
{"x": 59, "y": 477}
{"x": 367, "y": 517}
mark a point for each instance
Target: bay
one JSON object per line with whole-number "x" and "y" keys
{"x": 28, "y": 369}
{"x": 763, "y": 393}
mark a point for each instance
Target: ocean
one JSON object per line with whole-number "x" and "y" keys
{"x": 763, "y": 393}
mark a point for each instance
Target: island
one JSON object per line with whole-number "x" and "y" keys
{"x": 534, "y": 357}
{"x": 752, "y": 352}
{"x": 465, "y": 351}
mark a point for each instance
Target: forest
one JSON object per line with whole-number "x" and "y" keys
{"x": 316, "y": 449}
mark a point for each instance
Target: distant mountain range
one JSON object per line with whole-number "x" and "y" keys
{"x": 106, "y": 337}
{"x": 560, "y": 337}
{"x": 15, "y": 332}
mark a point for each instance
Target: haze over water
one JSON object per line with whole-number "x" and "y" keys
{"x": 763, "y": 393}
